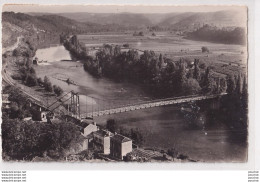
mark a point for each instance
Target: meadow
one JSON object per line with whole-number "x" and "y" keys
{"x": 224, "y": 58}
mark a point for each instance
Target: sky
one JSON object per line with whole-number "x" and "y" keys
{"x": 116, "y": 8}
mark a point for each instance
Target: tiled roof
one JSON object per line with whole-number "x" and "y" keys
{"x": 103, "y": 133}
{"x": 121, "y": 138}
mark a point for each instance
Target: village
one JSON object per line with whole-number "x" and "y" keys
{"x": 97, "y": 142}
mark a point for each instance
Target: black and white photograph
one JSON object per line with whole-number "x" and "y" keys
{"x": 128, "y": 83}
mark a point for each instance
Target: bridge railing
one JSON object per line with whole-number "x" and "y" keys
{"x": 139, "y": 104}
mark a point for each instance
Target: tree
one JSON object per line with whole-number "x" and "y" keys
{"x": 112, "y": 125}
{"x": 31, "y": 80}
{"x": 39, "y": 80}
{"x": 191, "y": 87}
{"x": 208, "y": 82}
{"x": 244, "y": 99}
{"x": 126, "y": 45}
{"x": 181, "y": 77}
{"x": 231, "y": 86}
{"x": 196, "y": 73}
{"x": 57, "y": 90}
{"x": 23, "y": 140}
{"x": 137, "y": 136}
{"x": 47, "y": 84}
{"x": 238, "y": 89}
{"x": 160, "y": 61}
{"x": 204, "y": 49}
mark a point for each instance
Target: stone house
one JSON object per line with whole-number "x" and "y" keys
{"x": 120, "y": 146}
{"x": 89, "y": 128}
{"x": 101, "y": 140}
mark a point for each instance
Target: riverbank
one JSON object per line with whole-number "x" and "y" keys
{"x": 163, "y": 123}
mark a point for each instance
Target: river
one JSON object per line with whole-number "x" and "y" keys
{"x": 164, "y": 127}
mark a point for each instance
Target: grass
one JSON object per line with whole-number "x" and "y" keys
{"x": 175, "y": 47}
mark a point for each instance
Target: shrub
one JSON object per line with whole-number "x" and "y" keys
{"x": 57, "y": 90}
{"x": 39, "y": 80}
{"x": 48, "y": 87}
{"x": 126, "y": 45}
{"x": 204, "y": 49}
{"x": 31, "y": 80}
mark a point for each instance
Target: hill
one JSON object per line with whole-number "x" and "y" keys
{"x": 172, "y": 21}
{"x": 47, "y": 25}
{"x": 125, "y": 19}
{"x": 191, "y": 21}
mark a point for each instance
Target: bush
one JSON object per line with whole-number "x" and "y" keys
{"x": 47, "y": 84}
{"x": 48, "y": 87}
{"x": 112, "y": 125}
{"x": 40, "y": 82}
{"x": 126, "y": 45}
{"x": 204, "y": 49}
{"x": 191, "y": 87}
{"x": 23, "y": 140}
{"x": 31, "y": 80}
{"x": 16, "y": 53}
{"x": 57, "y": 90}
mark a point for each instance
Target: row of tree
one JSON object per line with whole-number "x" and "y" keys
{"x": 134, "y": 133}
{"x": 214, "y": 34}
{"x": 163, "y": 75}
{"x": 235, "y": 106}
{"x": 28, "y": 76}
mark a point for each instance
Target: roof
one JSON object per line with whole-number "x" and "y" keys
{"x": 121, "y": 138}
{"x": 103, "y": 133}
{"x": 84, "y": 124}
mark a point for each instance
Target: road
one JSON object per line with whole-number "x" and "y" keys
{"x": 11, "y": 48}
{"x": 7, "y": 78}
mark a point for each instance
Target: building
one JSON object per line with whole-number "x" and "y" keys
{"x": 89, "y": 128}
{"x": 85, "y": 142}
{"x": 42, "y": 115}
{"x": 101, "y": 141}
{"x": 35, "y": 61}
{"x": 120, "y": 146}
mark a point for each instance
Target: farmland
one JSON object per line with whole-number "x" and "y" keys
{"x": 224, "y": 58}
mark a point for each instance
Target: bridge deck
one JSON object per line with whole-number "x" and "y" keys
{"x": 149, "y": 104}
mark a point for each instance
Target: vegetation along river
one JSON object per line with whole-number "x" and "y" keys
{"x": 164, "y": 127}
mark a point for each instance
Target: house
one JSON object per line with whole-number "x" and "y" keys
{"x": 85, "y": 142}
{"x": 120, "y": 146}
{"x": 101, "y": 140}
{"x": 89, "y": 128}
{"x": 42, "y": 115}
{"x": 35, "y": 61}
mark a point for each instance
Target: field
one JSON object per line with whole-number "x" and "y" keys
{"x": 225, "y": 58}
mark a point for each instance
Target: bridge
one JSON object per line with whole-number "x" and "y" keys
{"x": 70, "y": 102}
{"x": 150, "y": 104}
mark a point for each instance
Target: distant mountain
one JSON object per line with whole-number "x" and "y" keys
{"x": 47, "y": 23}
{"x": 187, "y": 21}
{"x": 79, "y": 23}
{"x": 126, "y": 19}
{"x": 179, "y": 21}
